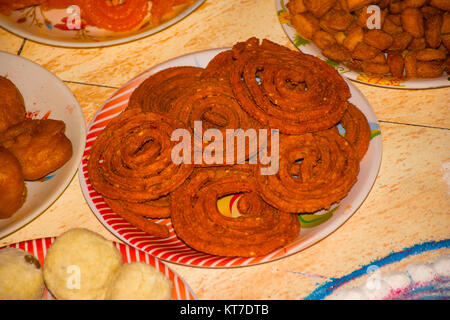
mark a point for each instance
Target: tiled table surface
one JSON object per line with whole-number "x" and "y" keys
{"x": 409, "y": 202}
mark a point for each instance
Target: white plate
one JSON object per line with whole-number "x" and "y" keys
{"x": 45, "y": 95}
{"x": 30, "y": 23}
{"x": 172, "y": 249}
{"x": 309, "y": 47}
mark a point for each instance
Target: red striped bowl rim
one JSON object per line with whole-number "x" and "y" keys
{"x": 173, "y": 249}
{"x": 180, "y": 291}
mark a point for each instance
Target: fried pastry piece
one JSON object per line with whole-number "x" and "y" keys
{"x": 40, "y": 146}
{"x": 396, "y": 64}
{"x": 319, "y": 7}
{"x": 430, "y": 55}
{"x": 12, "y": 107}
{"x": 412, "y": 22}
{"x": 433, "y": 31}
{"x": 441, "y": 4}
{"x": 378, "y": 39}
{"x": 12, "y": 186}
{"x": 305, "y": 24}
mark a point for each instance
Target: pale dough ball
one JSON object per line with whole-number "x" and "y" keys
{"x": 80, "y": 264}
{"x": 20, "y": 275}
{"x": 139, "y": 281}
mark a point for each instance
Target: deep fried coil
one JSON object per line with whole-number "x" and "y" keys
{"x": 12, "y": 107}
{"x": 287, "y": 90}
{"x": 138, "y": 221}
{"x": 357, "y": 129}
{"x": 157, "y": 92}
{"x": 258, "y": 230}
{"x": 123, "y": 17}
{"x": 40, "y": 146}
{"x": 159, "y": 208}
{"x": 212, "y": 102}
{"x": 220, "y": 66}
{"x": 12, "y": 186}
{"x": 131, "y": 158}
{"x": 315, "y": 171}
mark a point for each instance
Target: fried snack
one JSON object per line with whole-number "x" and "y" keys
{"x": 159, "y": 208}
{"x": 12, "y": 186}
{"x": 126, "y": 16}
{"x": 59, "y": 4}
{"x": 212, "y": 102}
{"x": 433, "y": 31}
{"x": 342, "y": 31}
{"x": 412, "y": 22}
{"x": 430, "y": 55}
{"x": 137, "y": 220}
{"x": 429, "y": 69}
{"x": 280, "y": 99}
{"x": 7, "y": 6}
{"x": 396, "y": 64}
{"x": 258, "y": 230}
{"x": 40, "y": 146}
{"x": 328, "y": 169}
{"x": 157, "y": 92}
{"x": 131, "y": 158}
{"x": 378, "y": 39}
{"x": 357, "y": 130}
{"x": 12, "y": 107}
{"x": 411, "y": 65}
{"x": 220, "y": 66}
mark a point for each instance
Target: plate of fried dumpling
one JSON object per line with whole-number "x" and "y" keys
{"x": 42, "y": 137}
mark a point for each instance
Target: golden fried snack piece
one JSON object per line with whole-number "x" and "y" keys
{"x": 323, "y": 39}
{"x": 337, "y": 52}
{"x": 336, "y": 20}
{"x": 40, "y": 146}
{"x": 429, "y": 69}
{"x": 7, "y": 6}
{"x": 396, "y": 7}
{"x": 396, "y": 64}
{"x": 357, "y": 129}
{"x": 430, "y": 55}
{"x": 305, "y": 24}
{"x": 315, "y": 171}
{"x": 363, "y": 51}
{"x": 446, "y": 40}
{"x": 362, "y": 16}
{"x": 356, "y": 4}
{"x": 413, "y": 3}
{"x": 12, "y": 107}
{"x": 417, "y": 44}
{"x": 441, "y": 4}
{"x": 390, "y": 26}
{"x": 258, "y": 230}
{"x": 131, "y": 158}
{"x": 445, "y": 28}
{"x": 296, "y": 6}
{"x": 411, "y": 65}
{"x": 378, "y": 39}
{"x": 12, "y": 186}
{"x": 297, "y": 93}
{"x": 319, "y": 7}
{"x": 155, "y": 209}
{"x": 433, "y": 31}
{"x": 158, "y": 91}
{"x": 401, "y": 41}
{"x": 220, "y": 66}
{"x": 374, "y": 68}
{"x": 354, "y": 37}
{"x": 412, "y": 22}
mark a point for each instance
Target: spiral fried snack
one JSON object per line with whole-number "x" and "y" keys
{"x": 284, "y": 89}
{"x": 40, "y": 146}
{"x": 127, "y": 211}
{"x": 357, "y": 130}
{"x": 258, "y": 230}
{"x": 159, "y": 208}
{"x": 131, "y": 158}
{"x": 212, "y": 102}
{"x": 12, "y": 107}
{"x": 315, "y": 171}
{"x": 12, "y": 186}
{"x": 157, "y": 92}
{"x": 220, "y": 66}
{"x": 123, "y": 17}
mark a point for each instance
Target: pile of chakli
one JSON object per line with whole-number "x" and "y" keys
{"x": 257, "y": 85}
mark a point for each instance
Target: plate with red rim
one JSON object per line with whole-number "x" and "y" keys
{"x": 172, "y": 249}
{"x": 180, "y": 290}
{"x": 307, "y": 46}
{"x": 51, "y": 27}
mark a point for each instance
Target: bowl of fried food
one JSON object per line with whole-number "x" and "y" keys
{"x": 402, "y": 44}
{"x": 42, "y": 134}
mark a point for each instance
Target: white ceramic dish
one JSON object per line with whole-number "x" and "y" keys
{"x": 50, "y": 28}
{"x": 45, "y": 95}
